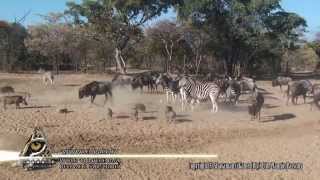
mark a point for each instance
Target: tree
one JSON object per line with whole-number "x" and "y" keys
{"x": 236, "y": 28}
{"x": 117, "y": 21}
{"x": 168, "y": 34}
{"x": 52, "y": 39}
{"x": 12, "y": 48}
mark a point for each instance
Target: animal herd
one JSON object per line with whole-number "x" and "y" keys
{"x": 189, "y": 90}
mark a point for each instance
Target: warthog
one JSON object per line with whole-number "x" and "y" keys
{"x": 96, "y": 88}
{"x": 17, "y": 100}
{"x": 170, "y": 114}
{"x": 6, "y": 89}
{"x": 257, "y": 101}
{"x": 280, "y": 81}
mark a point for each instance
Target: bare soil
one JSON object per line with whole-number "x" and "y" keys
{"x": 285, "y": 133}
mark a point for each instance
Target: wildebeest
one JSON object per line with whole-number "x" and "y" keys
{"x": 17, "y": 100}
{"x": 96, "y": 88}
{"x": 257, "y": 101}
{"x": 169, "y": 85}
{"x": 141, "y": 80}
{"x": 170, "y": 114}
{"x": 281, "y": 81}
{"x": 298, "y": 88}
{"x": 316, "y": 95}
{"x": 6, "y": 89}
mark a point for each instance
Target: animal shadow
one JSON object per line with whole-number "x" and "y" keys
{"x": 269, "y": 106}
{"x": 264, "y": 92}
{"x": 280, "y": 117}
{"x": 72, "y": 85}
{"x": 147, "y": 118}
{"x": 122, "y": 116}
{"x": 183, "y": 120}
{"x": 35, "y": 107}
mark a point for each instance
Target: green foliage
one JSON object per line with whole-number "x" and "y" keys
{"x": 243, "y": 29}
{"x": 12, "y": 49}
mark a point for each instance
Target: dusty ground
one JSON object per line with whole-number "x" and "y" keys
{"x": 287, "y": 133}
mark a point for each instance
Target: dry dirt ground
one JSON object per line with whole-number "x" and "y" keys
{"x": 286, "y": 133}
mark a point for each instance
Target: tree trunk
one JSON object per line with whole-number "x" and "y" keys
{"x": 120, "y": 62}
{"x": 56, "y": 65}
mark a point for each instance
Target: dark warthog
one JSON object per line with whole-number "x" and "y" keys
{"x": 17, "y": 100}
{"x": 96, "y": 88}
{"x": 6, "y": 89}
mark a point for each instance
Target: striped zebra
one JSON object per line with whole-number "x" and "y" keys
{"x": 170, "y": 86}
{"x": 198, "y": 91}
{"x": 233, "y": 91}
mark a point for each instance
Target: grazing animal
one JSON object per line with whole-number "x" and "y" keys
{"x": 63, "y": 110}
{"x": 96, "y": 88}
{"x": 140, "y": 107}
{"x": 281, "y": 81}
{"x": 223, "y": 84}
{"x": 170, "y": 86}
{"x": 170, "y": 114}
{"x": 109, "y": 113}
{"x": 121, "y": 80}
{"x": 6, "y": 89}
{"x": 198, "y": 91}
{"x": 257, "y": 101}
{"x": 316, "y": 95}
{"x": 247, "y": 84}
{"x": 48, "y": 76}
{"x": 135, "y": 115}
{"x": 141, "y": 80}
{"x": 298, "y": 88}
{"x": 233, "y": 91}
{"x": 17, "y": 100}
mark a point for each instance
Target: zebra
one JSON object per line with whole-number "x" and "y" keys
{"x": 197, "y": 90}
{"x": 46, "y": 76}
{"x": 233, "y": 91}
{"x": 170, "y": 86}
{"x": 247, "y": 84}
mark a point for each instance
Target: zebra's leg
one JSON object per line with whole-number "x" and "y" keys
{"x": 167, "y": 94}
{"x": 192, "y": 104}
{"x": 214, "y": 103}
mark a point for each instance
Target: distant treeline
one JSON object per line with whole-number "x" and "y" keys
{"x": 222, "y": 36}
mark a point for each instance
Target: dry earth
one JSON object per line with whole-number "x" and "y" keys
{"x": 286, "y": 133}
